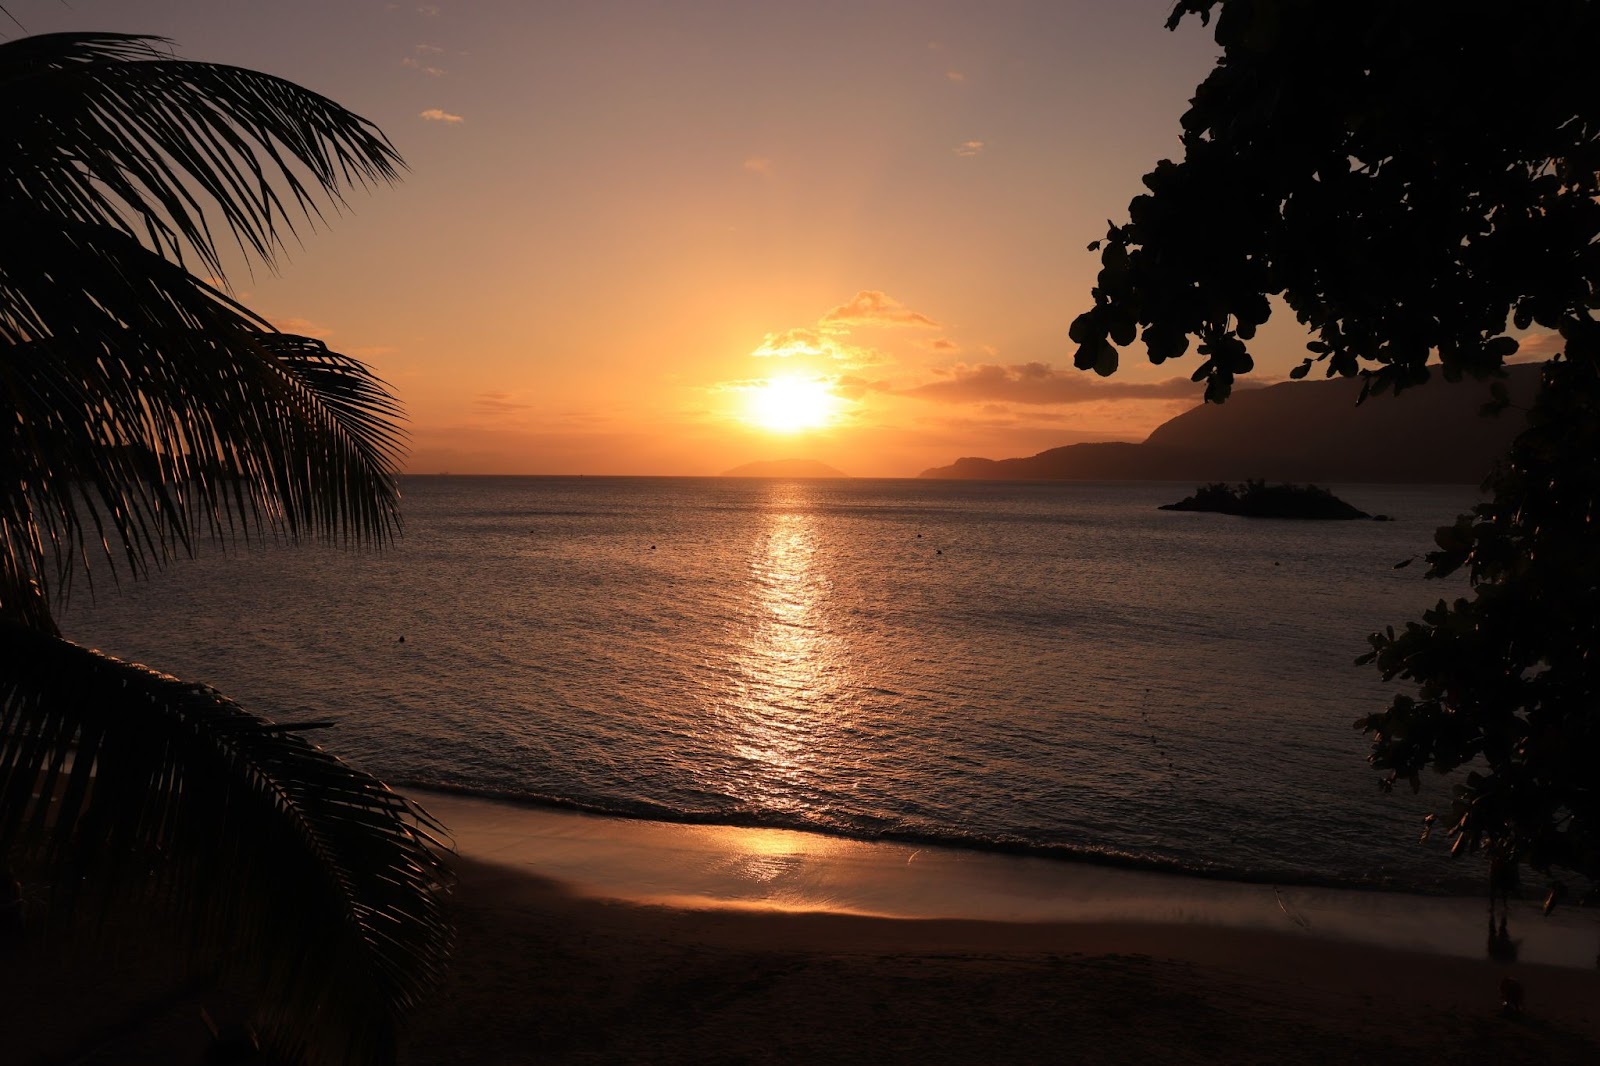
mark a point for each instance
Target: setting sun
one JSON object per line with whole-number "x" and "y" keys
{"x": 788, "y": 405}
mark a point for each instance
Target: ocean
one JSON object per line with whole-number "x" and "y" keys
{"x": 1057, "y": 669}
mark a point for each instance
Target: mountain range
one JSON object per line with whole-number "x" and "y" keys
{"x": 1299, "y": 431}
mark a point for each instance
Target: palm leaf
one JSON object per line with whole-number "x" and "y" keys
{"x": 254, "y": 837}
{"x": 175, "y": 411}
{"x": 111, "y": 130}
{"x": 142, "y": 409}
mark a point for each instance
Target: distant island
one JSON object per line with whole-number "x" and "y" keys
{"x": 785, "y": 468}
{"x": 1257, "y": 499}
{"x": 1299, "y": 431}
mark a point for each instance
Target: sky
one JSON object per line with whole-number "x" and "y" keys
{"x": 677, "y": 237}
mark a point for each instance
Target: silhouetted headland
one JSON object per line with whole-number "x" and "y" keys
{"x": 785, "y": 468}
{"x": 1298, "y": 431}
{"x": 1257, "y": 499}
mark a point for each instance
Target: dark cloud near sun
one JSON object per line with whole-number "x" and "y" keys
{"x": 1040, "y": 383}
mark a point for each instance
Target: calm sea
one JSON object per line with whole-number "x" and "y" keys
{"x": 1056, "y": 668}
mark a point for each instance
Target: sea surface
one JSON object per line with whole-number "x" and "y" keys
{"x": 1051, "y": 668}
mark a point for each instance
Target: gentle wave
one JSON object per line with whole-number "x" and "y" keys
{"x": 1465, "y": 885}
{"x": 1057, "y": 670}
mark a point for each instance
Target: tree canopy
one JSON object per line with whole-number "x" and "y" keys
{"x": 1418, "y": 183}
{"x": 1410, "y": 179}
{"x": 145, "y": 409}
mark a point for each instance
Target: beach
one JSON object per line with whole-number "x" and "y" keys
{"x": 670, "y": 943}
{"x": 595, "y": 940}
{"x": 546, "y": 976}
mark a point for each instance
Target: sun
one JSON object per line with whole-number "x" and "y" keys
{"x": 791, "y": 404}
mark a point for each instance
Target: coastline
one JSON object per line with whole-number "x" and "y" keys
{"x": 591, "y": 939}
{"x": 711, "y": 867}
{"x": 585, "y": 939}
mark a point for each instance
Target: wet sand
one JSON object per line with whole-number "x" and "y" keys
{"x": 749, "y": 946}
{"x": 698, "y": 867}
{"x": 587, "y": 940}
{"x": 547, "y": 976}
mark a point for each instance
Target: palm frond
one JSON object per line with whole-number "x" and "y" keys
{"x": 110, "y": 129}
{"x": 308, "y": 875}
{"x": 143, "y": 408}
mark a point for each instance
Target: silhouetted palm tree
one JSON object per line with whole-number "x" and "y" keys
{"x": 142, "y": 410}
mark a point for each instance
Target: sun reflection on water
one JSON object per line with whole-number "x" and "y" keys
{"x": 792, "y": 666}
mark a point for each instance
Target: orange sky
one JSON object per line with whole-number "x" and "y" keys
{"x": 621, "y": 219}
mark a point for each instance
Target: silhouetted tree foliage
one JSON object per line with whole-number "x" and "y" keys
{"x": 1414, "y": 180}
{"x": 143, "y": 410}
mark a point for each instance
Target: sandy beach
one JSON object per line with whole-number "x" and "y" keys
{"x": 667, "y": 943}
{"x": 590, "y": 940}
{"x": 549, "y": 977}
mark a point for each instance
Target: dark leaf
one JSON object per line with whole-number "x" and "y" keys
{"x": 269, "y": 848}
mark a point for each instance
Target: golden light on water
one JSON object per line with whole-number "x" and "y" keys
{"x": 792, "y": 667}
{"x": 791, "y": 404}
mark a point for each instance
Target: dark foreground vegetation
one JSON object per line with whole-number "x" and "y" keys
{"x": 1353, "y": 165}
{"x": 149, "y": 410}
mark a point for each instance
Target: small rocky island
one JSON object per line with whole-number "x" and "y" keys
{"x": 1257, "y": 499}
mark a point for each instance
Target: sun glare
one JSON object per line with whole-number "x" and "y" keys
{"x": 788, "y": 405}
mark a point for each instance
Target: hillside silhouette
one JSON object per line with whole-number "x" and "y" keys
{"x": 785, "y": 468}
{"x": 1298, "y": 431}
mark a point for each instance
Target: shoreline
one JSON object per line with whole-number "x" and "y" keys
{"x": 688, "y": 866}
{"x": 588, "y": 940}
{"x": 1442, "y": 888}
{"x": 545, "y": 973}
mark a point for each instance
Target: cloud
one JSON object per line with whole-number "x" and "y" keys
{"x": 427, "y": 50}
{"x": 802, "y": 340}
{"x": 418, "y": 65}
{"x": 870, "y": 307}
{"x": 753, "y": 384}
{"x": 499, "y": 403}
{"x": 1040, "y": 383}
{"x": 815, "y": 342}
{"x": 944, "y": 344}
{"x": 1537, "y": 347}
{"x": 968, "y": 149}
{"x": 758, "y": 164}
{"x": 434, "y": 114}
{"x": 302, "y": 327}
{"x": 955, "y": 75}
{"x": 428, "y": 10}
{"x": 825, "y": 340}
{"x": 854, "y": 388}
